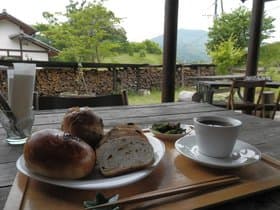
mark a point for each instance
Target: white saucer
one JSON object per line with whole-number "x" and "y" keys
{"x": 243, "y": 154}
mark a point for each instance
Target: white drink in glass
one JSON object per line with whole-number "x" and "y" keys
{"x": 20, "y": 97}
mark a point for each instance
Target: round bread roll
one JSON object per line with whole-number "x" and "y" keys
{"x": 83, "y": 123}
{"x": 56, "y": 154}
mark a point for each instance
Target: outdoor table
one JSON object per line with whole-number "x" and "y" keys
{"x": 262, "y": 133}
{"x": 208, "y": 88}
{"x": 217, "y": 77}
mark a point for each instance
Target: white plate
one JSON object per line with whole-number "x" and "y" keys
{"x": 243, "y": 154}
{"x": 173, "y": 137}
{"x": 95, "y": 180}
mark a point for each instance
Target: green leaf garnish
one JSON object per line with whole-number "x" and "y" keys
{"x": 168, "y": 128}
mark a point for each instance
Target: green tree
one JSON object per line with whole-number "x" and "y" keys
{"x": 136, "y": 46}
{"x": 89, "y": 33}
{"x": 236, "y": 24}
{"x": 226, "y": 55}
{"x": 270, "y": 55}
{"x": 151, "y": 47}
{"x": 147, "y": 46}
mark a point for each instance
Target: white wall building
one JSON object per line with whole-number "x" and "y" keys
{"x": 17, "y": 41}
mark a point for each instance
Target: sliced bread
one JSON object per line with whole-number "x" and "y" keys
{"x": 121, "y": 130}
{"x": 124, "y": 154}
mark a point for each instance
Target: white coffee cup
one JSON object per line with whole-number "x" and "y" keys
{"x": 215, "y": 135}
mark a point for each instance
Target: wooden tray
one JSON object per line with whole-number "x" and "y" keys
{"x": 174, "y": 169}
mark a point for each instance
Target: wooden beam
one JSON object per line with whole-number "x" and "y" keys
{"x": 24, "y": 50}
{"x": 169, "y": 50}
{"x": 76, "y": 65}
{"x": 20, "y": 46}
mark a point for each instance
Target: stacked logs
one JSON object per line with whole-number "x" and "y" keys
{"x": 104, "y": 81}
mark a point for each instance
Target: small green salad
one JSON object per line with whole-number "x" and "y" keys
{"x": 168, "y": 128}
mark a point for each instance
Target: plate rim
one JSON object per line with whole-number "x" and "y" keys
{"x": 111, "y": 182}
{"x": 217, "y": 165}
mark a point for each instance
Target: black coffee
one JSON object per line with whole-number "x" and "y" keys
{"x": 215, "y": 123}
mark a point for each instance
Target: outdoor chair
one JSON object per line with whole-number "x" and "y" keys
{"x": 276, "y": 106}
{"x": 237, "y": 101}
{"x": 63, "y": 102}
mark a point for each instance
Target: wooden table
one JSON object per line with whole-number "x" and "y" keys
{"x": 208, "y": 88}
{"x": 217, "y": 77}
{"x": 262, "y": 133}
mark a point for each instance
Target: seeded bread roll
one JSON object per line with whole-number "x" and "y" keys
{"x": 83, "y": 123}
{"x": 56, "y": 154}
{"x": 124, "y": 149}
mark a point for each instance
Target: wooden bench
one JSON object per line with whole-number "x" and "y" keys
{"x": 62, "y": 102}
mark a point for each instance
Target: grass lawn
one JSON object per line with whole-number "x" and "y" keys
{"x": 136, "y": 58}
{"x": 153, "y": 98}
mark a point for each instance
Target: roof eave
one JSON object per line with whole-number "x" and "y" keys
{"x": 51, "y": 50}
{"x": 25, "y": 27}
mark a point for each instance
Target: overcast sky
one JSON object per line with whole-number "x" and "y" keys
{"x": 142, "y": 19}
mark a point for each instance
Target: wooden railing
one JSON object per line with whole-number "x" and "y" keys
{"x": 77, "y": 65}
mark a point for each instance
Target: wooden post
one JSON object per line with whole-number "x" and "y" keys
{"x": 182, "y": 73}
{"x": 254, "y": 44}
{"x": 20, "y": 47}
{"x": 169, "y": 50}
{"x": 115, "y": 79}
{"x": 137, "y": 71}
{"x": 255, "y": 37}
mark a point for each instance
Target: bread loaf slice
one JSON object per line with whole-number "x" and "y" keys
{"x": 118, "y": 131}
{"x": 124, "y": 154}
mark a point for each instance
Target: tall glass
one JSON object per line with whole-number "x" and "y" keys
{"x": 21, "y": 82}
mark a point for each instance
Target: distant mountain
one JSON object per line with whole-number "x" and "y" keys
{"x": 190, "y": 46}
